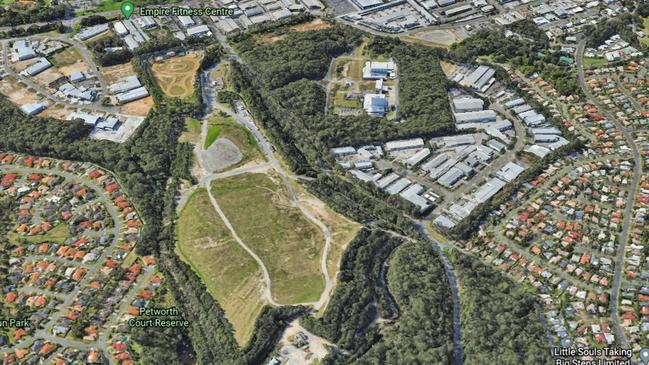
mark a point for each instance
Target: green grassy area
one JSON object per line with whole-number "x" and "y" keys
{"x": 230, "y": 274}
{"x": 192, "y": 131}
{"x": 237, "y": 134}
{"x": 129, "y": 260}
{"x": 341, "y": 102}
{"x": 58, "y": 234}
{"x": 212, "y": 134}
{"x": 7, "y": 3}
{"x": 289, "y": 245}
{"x": 594, "y": 62}
{"x": 66, "y": 57}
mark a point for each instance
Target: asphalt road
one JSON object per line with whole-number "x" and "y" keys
{"x": 628, "y": 211}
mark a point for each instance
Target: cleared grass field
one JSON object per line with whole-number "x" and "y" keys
{"x": 192, "y": 131}
{"x": 66, "y": 57}
{"x": 231, "y": 275}
{"x": 289, "y": 245}
{"x": 595, "y": 62}
{"x": 212, "y": 134}
{"x": 176, "y": 75}
{"x": 239, "y": 135}
{"x": 342, "y": 102}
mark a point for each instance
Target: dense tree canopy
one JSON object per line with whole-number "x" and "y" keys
{"x": 499, "y": 321}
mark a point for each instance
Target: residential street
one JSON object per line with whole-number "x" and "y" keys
{"x": 637, "y": 169}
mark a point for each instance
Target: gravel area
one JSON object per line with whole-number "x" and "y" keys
{"x": 220, "y": 155}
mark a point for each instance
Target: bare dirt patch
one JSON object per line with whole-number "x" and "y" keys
{"x": 315, "y": 24}
{"x": 176, "y": 75}
{"x": 138, "y": 107}
{"x": 78, "y": 66}
{"x": 48, "y": 76}
{"x": 56, "y": 112}
{"x": 16, "y": 92}
{"x": 21, "y": 65}
{"x": 269, "y": 39}
{"x": 448, "y": 68}
{"x": 312, "y": 349}
{"x": 113, "y": 74}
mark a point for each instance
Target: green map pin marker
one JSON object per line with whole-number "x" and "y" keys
{"x": 127, "y": 8}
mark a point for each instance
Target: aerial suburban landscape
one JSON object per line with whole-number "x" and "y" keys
{"x": 327, "y": 182}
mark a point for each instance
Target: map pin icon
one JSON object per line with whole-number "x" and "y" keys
{"x": 644, "y": 356}
{"x": 127, "y": 8}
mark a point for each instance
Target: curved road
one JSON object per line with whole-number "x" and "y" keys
{"x": 628, "y": 211}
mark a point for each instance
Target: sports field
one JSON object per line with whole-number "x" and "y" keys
{"x": 288, "y": 244}
{"x": 230, "y": 274}
{"x": 176, "y": 75}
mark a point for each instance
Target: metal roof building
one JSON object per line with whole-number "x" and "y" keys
{"x": 404, "y": 144}
{"x": 120, "y": 29}
{"x": 41, "y": 65}
{"x": 515, "y": 102}
{"x": 375, "y": 104}
{"x": 545, "y": 138}
{"x": 125, "y": 84}
{"x": 535, "y": 120}
{"x": 444, "y": 221}
{"x": 457, "y": 11}
{"x": 186, "y": 21}
{"x": 475, "y": 117}
{"x": 398, "y": 186}
{"x": 132, "y": 95}
{"x": 32, "y": 109}
{"x": 366, "y": 4}
{"x": 378, "y": 70}
{"x": 110, "y": 123}
{"x": 559, "y": 143}
{"x": 146, "y": 22}
{"x": 537, "y": 150}
{"x": 462, "y": 105}
{"x": 459, "y": 140}
{"x": 495, "y": 145}
{"x": 489, "y": 189}
{"x": 387, "y": 180}
{"x": 199, "y": 31}
{"x": 451, "y": 177}
{"x": 87, "y": 118}
{"x": 71, "y": 91}
{"x": 411, "y": 194}
{"x": 417, "y": 157}
{"x": 90, "y": 32}
{"x": 342, "y": 151}
{"x": 510, "y": 171}
{"x": 434, "y": 163}
{"x": 77, "y": 76}
{"x": 22, "y": 51}
{"x": 549, "y": 130}
{"x": 522, "y": 108}
{"x": 479, "y": 78}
